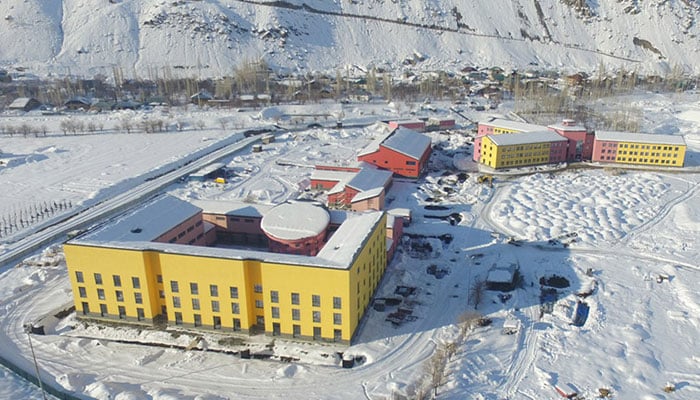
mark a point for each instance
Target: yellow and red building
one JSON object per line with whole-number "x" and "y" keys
{"x": 119, "y": 272}
{"x": 639, "y": 149}
{"x": 523, "y": 149}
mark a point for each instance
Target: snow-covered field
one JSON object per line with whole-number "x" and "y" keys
{"x": 630, "y": 228}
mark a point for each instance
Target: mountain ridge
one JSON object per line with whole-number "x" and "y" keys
{"x": 211, "y": 38}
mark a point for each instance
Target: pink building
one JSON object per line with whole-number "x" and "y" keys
{"x": 580, "y": 140}
{"x": 413, "y": 124}
{"x": 296, "y": 228}
{"x": 364, "y": 189}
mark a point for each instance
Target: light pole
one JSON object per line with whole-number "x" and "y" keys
{"x": 28, "y": 329}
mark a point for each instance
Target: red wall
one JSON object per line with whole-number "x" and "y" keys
{"x": 396, "y": 162}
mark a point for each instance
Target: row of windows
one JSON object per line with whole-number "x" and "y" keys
{"x": 527, "y": 161}
{"x": 184, "y": 232}
{"x": 644, "y": 160}
{"x": 213, "y": 289}
{"x": 118, "y": 294}
{"x": 121, "y": 311}
{"x": 116, "y": 279}
{"x": 646, "y": 153}
{"x": 640, "y": 146}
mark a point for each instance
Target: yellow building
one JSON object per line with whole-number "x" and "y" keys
{"x": 118, "y": 272}
{"x": 523, "y": 149}
{"x": 639, "y": 149}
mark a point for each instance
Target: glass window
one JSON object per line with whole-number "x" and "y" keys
{"x": 174, "y": 287}
{"x": 295, "y": 298}
{"x": 296, "y": 330}
{"x": 161, "y": 294}
{"x": 257, "y": 288}
{"x": 317, "y": 316}
{"x": 214, "y": 290}
{"x": 194, "y": 288}
{"x": 101, "y": 294}
{"x": 159, "y": 278}
{"x": 119, "y": 294}
{"x": 176, "y": 302}
{"x": 103, "y": 309}
{"x": 235, "y": 308}
{"x": 236, "y": 324}
{"x": 217, "y": 322}
{"x": 337, "y": 303}
{"x": 79, "y": 277}
{"x": 337, "y": 318}
{"x": 117, "y": 280}
{"x": 234, "y": 292}
{"x": 215, "y": 306}
{"x": 197, "y": 320}
{"x": 82, "y": 291}
{"x": 136, "y": 282}
{"x": 274, "y": 296}
{"x": 296, "y": 314}
{"x": 98, "y": 278}
{"x": 137, "y": 298}
{"x": 195, "y": 304}
{"x": 258, "y": 304}
{"x": 316, "y": 300}
{"x": 140, "y": 314}
{"x": 275, "y": 312}
{"x": 178, "y": 318}
{"x": 122, "y": 312}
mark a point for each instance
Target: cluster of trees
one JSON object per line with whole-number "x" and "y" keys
{"x": 30, "y": 215}
{"x": 24, "y": 129}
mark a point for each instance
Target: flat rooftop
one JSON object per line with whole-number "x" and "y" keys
{"x": 650, "y": 138}
{"x": 545, "y": 136}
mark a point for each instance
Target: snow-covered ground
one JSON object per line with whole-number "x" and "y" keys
{"x": 610, "y": 234}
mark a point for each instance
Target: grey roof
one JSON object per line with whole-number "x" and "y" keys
{"x": 527, "y": 138}
{"x": 146, "y": 223}
{"x": 514, "y": 125}
{"x": 407, "y": 142}
{"x": 367, "y": 194}
{"x": 651, "y": 138}
{"x": 369, "y": 178}
{"x": 232, "y": 207}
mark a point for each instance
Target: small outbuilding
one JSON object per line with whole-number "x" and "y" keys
{"x": 24, "y": 104}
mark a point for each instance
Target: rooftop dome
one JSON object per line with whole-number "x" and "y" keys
{"x": 295, "y": 221}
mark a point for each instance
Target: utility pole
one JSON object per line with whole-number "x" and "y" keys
{"x": 28, "y": 329}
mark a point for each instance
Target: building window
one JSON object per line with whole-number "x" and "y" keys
{"x": 215, "y": 306}
{"x": 275, "y": 312}
{"x": 194, "y": 288}
{"x": 197, "y": 320}
{"x": 174, "y": 287}
{"x": 122, "y": 312}
{"x": 137, "y": 298}
{"x": 317, "y": 332}
{"x": 176, "y": 302}
{"x": 274, "y": 296}
{"x": 316, "y": 300}
{"x": 178, "y": 318}
{"x": 79, "y": 277}
{"x": 337, "y": 334}
{"x": 296, "y": 314}
{"x": 410, "y": 163}
{"x": 316, "y": 316}
{"x": 161, "y": 294}
{"x": 195, "y": 304}
{"x": 295, "y": 298}
{"x": 337, "y": 303}
{"x": 86, "y": 308}
{"x": 98, "y": 278}
{"x": 296, "y": 330}
{"x": 119, "y": 295}
{"x": 101, "y": 294}
{"x": 140, "y": 315}
{"x": 159, "y": 278}
{"x": 235, "y": 308}
{"x": 117, "y": 280}
{"x": 217, "y": 322}
{"x": 82, "y": 291}
{"x": 236, "y": 324}
{"x": 214, "y": 290}
{"x": 337, "y": 318}
{"x": 103, "y": 309}
{"x": 257, "y": 288}
{"x": 136, "y": 282}
{"x": 258, "y": 304}
{"x": 234, "y": 292}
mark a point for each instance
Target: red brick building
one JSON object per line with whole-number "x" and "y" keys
{"x": 402, "y": 151}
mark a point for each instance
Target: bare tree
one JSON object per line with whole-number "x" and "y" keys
{"x": 476, "y": 292}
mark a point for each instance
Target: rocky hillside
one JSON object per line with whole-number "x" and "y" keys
{"x": 148, "y": 38}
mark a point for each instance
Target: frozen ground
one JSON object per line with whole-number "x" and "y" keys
{"x": 630, "y": 229}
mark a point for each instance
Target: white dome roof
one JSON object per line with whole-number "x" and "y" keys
{"x": 295, "y": 221}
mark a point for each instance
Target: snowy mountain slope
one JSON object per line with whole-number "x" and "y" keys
{"x": 210, "y": 38}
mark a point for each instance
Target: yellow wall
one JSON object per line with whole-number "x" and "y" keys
{"x": 516, "y": 155}
{"x": 651, "y": 154}
{"x": 354, "y": 286}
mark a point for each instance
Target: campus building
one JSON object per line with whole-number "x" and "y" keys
{"x": 499, "y": 126}
{"x": 639, "y": 149}
{"x": 523, "y": 149}
{"x": 359, "y": 189}
{"x": 401, "y": 151}
{"x": 144, "y": 268}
